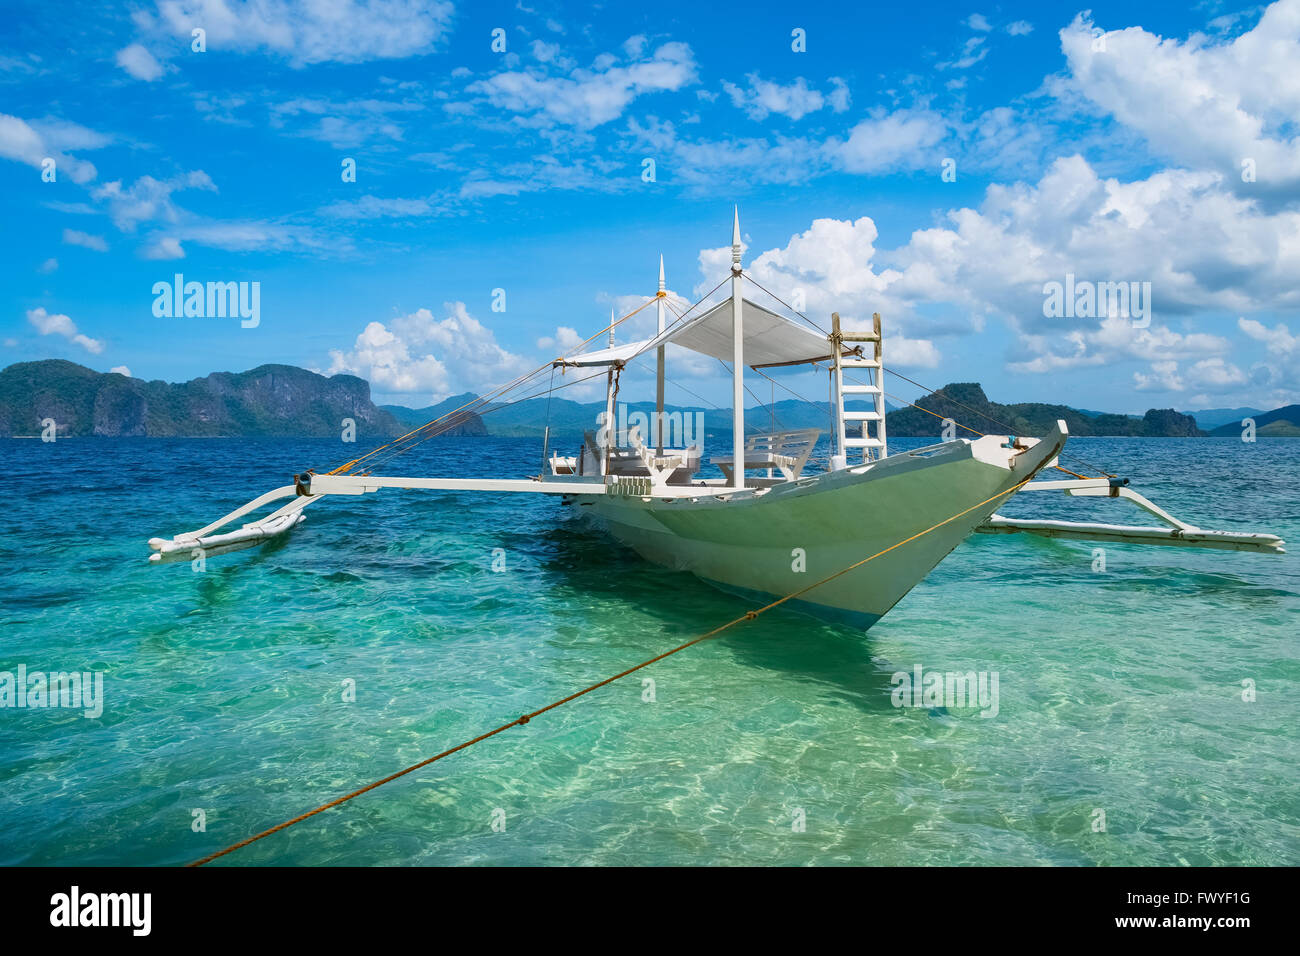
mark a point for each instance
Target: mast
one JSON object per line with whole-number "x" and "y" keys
{"x": 610, "y": 436}
{"x": 738, "y": 361}
{"x": 659, "y": 372}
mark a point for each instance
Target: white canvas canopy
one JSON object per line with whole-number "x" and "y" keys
{"x": 617, "y": 355}
{"x": 769, "y": 339}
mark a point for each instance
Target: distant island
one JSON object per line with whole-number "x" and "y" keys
{"x": 283, "y": 401}
{"x": 270, "y": 400}
{"x": 965, "y": 402}
{"x": 1281, "y": 422}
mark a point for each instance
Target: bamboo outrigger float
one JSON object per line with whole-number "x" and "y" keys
{"x": 766, "y": 527}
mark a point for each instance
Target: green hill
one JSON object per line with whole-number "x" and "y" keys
{"x": 966, "y": 403}
{"x": 467, "y": 422}
{"x": 271, "y": 400}
{"x": 1281, "y": 422}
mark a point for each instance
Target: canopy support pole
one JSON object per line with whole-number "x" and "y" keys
{"x": 738, "y": 361}
{"x": 659, "y": 368}
{"x": 611, "y": 437}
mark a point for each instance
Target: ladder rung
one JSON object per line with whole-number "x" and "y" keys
{"x": 859, "y": 363}
{"x": 863, "y": 443}
{"x": 850, "y": 416}
{"x": 858, "y": 336}
{"x": 848, "y": 389}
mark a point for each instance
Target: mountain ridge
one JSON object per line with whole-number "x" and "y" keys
{"x": 285, "y": 400}
{"x": 1281, "y": 422}
{"x": 270, "y": 400}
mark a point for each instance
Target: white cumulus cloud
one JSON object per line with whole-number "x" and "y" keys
{"x": 588, "y": 97}
{"x": 84, "y": 239}
{"x": 310, "y": 31}
{"x": 421, "y": 354}
{"x": 760, "y": 98}
{"x": 33, "y": 143}
{"x": 139, "y": 62}
{"x": 47, "y": 323}
{"x": 1202, "y": 103}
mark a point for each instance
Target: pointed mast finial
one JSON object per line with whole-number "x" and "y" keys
{"x": 735, "y": 240}
{"x": 661, "y": 273}
{"x": 611, "y": 326}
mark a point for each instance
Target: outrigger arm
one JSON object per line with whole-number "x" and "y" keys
{"x": 309, "y": 488}
{"x": 192, "y": 544}
{"x": 1175, "y": 533}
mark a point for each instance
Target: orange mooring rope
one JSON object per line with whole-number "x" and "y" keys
{"x": 520, "y": 721}
{"x": 482, "y": 400}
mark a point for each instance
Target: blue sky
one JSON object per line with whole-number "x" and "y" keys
{"x": 1126, "y": 143}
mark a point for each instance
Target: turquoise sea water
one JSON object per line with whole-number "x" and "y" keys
{"x": 1119, "y": 690}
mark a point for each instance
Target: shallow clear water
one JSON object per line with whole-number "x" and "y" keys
{"x": 1119, "y": 691}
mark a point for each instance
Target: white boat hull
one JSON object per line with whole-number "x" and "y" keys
{"x": 776, "y": 541}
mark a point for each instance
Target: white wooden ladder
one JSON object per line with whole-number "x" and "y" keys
{"x": 871, "y": 440}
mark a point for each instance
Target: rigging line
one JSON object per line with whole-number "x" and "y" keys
{"x": 727, "y": 368}
{"x": 520, "y": 721}
{"x": 681, "y": 316}
{"x": 899, "y": 398}
{"x": 935, "y": 414}
{"x": 784, "y": 386}
{"x": 714, "y": 405}
{"x": 932, "y": 391}
{"x": 1009, "y": 429}
{"x": 702, "y": 298}
{"x": 754, "y": 397}
{"x": 693, "y": 307}
{"x": 706, "y": 401}
{"x": 767, "y": 333}
{"x": 471, "y": 405}
{"x": 806, "y": 401}
{"x": 786, "y": 304}
{"x": 479, "y": 401}
{"x": 969, "y": 429}
{"x": 496, "y": 407}
{"x": 396, "y": 453}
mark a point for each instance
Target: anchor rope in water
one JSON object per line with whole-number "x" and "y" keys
{"x": 520, "y": 721}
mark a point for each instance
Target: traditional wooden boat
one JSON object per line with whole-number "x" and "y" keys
{"x": 848, "y": 541}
